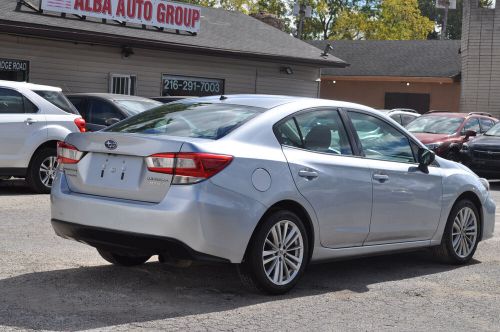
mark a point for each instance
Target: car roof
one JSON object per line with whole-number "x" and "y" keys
{"x": 29, "y": 86}
{"x": 108, "y": 96}
{"x": 460, "y": 115}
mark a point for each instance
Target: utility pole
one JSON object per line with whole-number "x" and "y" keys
{"x": 302, "y": 11}
{"x": 445, "y": 20}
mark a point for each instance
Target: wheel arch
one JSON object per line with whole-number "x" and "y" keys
{"x": 52, "y": 144}
{"x": 471, "y": 196}
{"x": 299, "y": 210}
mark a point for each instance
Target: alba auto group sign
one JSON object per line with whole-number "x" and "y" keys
{"x": 159, "y": 13}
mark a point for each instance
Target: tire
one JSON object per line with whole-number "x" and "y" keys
{"x": 283, "y": 268}
{"x": 122, "y": 260}
{"x": 459, "y": 243}
{"x": 42, "y": 170}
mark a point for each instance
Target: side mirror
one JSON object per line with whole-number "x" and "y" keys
{"x": 470, "y": 133}
{"x": 425, "y": 158}
{"x": 111, "y": 121}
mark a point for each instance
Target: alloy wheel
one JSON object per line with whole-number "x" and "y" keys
{"x": 283, "y": 252}
{"x": 464, "y": 232}
{"x": 47, "y": 170}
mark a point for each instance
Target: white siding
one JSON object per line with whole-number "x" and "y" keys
{"x": 86, "y": 68}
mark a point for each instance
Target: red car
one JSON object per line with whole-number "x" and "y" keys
{"x": 444, "y": 133}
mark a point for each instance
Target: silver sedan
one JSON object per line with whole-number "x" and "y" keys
{"x": 269, "y": 183}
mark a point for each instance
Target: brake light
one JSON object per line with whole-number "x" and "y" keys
{"x": 80, "y": 123}
{"x": 188, "y": 168}
{"x": 68, "y": 154}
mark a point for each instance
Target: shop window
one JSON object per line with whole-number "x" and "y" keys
{"x": 123, "y": 84}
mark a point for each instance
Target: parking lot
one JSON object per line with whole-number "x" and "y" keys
{"x": 54, "y": 284}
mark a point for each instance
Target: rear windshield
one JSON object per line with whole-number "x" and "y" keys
{"x": 133, "y": 107}
{"x": 59, "y": 100}
{"x": 198, "y": 120}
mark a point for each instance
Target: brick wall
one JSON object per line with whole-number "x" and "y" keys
{"x": 480, "y": 59}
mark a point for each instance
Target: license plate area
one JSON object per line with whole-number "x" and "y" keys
{"x": 113, "y": 171}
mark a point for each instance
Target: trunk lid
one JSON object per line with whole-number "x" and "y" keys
{"x": 114, "y": 165}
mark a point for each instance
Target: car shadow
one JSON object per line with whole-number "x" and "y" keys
{"x": 15, "y": 187}
{"x": 103, "y": 296}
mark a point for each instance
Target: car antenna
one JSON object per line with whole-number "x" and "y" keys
{"x": 222, "y": 97}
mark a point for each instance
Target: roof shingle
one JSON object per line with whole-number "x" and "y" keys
{"x": 222, "y": 32}
{"x": 400, "y": 58}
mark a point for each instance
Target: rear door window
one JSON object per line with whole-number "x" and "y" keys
{"x": 100, "y": 111}
{"x": 471, "y": 124}
{"x": 406, "y": 119}
{"x": 189, "y": 119}
{"x": 318, "y": 131}
{"x": 396, "y": 117}
{"x": 486, "y": 124}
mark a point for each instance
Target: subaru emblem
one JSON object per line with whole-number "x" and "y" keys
{"x": 110, "y": 144}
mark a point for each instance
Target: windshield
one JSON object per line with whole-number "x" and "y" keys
{"x": 199, "y": 120}
{"x": 58, "y": 99}
{"x": 134, "y": 107}
{"x": 494, "y": 131}
{"x": 435, "y": 124}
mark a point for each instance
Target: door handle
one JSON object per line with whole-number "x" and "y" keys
{"x": 29, "y": 121}
{"x": 381, "y": 177}
{"x": 308, "y": 174}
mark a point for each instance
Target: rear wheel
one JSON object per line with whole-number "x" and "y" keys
{"x": 461, "y": 235}
{"x": 42, "y": 170}
{"x": 122, "y": 260}
{"x": 277, "y": 256}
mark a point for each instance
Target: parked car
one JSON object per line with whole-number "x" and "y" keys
{"x": 104, "y": 109}
{"x": 270, "y": 183}
{"x": 482, "y": 154}
{"x": 403, "y": 116}
{"x": 32, "y": 119}
{"x": 170, "y": 99}
{"x": 444, "y": 133}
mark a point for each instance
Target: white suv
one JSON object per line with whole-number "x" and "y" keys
{"x": 32, "y": 119}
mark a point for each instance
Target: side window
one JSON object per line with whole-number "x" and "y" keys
{"x": 29, "y": 107}
{"x": 81, "y": 105}
{"x": 100, "y": 111}
{"x": 471, "y": 124}
{"x": 319, "y": 131}
{"x": 486, "y": 124}
{"x": 405, "y": 119}
{"x": 381, "y": 141}
{"x": 11, "y": 102}
{"x": 396, "y": 117}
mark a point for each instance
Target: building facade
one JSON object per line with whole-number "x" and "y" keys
{"x": 420, "y": 74}
{"x": 480, "y": 59}
{"x": 231, "y": 53}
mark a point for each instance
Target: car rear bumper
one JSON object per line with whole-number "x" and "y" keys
{"x": 128, "y": 243}
{"x": 204, "y": 218}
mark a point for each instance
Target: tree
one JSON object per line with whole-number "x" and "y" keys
{"x": 391, "y": 20}
{"x": 454, "y": 26}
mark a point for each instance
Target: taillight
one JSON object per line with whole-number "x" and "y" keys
{"x": 68, "y": 154}
{"x": 188, "y": 168}
{"x": 80, "y": 123}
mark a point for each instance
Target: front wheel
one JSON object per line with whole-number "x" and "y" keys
{"x": 278, "y": 254}
{"x": 461, "y": 235}
{"x": 122, "y": 260}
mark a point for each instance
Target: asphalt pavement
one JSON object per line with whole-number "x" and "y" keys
{"x": 54, "y": 284}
